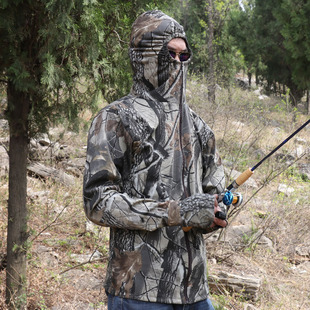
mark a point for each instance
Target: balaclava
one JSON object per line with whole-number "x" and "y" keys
{"x": 156, "y": 74}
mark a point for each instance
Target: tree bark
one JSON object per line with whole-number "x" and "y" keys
{"x": 250, "y": 78}
{"x": 295, "y": 94}
{"x": 210, "y": 43}
{"x": 17, "y": 235}
{"x": 308, "y": 102}
{"x": 247, "y": 286}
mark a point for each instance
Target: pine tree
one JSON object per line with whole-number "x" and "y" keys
{"x": 241, "y": 26}
{"x": 293, "y": 18}
{"x": 56, "y": 57}
{"x": 280, "y": 31}
{"x": 205, "y": 25}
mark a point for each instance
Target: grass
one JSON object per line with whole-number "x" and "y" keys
{"x": 246, "y": 129}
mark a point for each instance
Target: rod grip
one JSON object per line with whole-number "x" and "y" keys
{"x": 244, "y": 176}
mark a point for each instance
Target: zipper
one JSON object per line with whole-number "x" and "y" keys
{"x": 186, "y": 194}
{"x": 189, "y": 271}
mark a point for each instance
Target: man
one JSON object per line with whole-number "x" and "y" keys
{"x": 152, "y": 175}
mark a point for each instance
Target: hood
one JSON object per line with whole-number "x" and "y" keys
{"x": 156, "y": 75}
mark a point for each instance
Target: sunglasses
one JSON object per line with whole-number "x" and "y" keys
{"x": 182, "y": 55}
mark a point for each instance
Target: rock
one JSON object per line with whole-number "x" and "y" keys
{"x": 249, "y": 307}
{"x": 261, "y": 214}
{"x": 37, "y": 194}
{"x": 234, "y": 174}
{"x": 304, "y": 170}
{"x": 247, "y": 286}
{"x": 276, "y": 130}
{"x": 284, "y": 189}
{"x": 4, "y": 161}
{"x": 242, "y": 82}
{"x": 49, "y": 172}
{"x": 245, "y": 234}
{"x": 3, "y": 261}
{"x": 242, "y": 235}
{"x": 77, "y": 162}
{"x": 299, "y": 151}
{"x": 75, "y": 305}
{"x": 92, "y": 227}
{"x": 300, "y": 141}
{"x": 259, "y": 153}
{"x": 44, "y": 140}
{"x": 84, "y": 258}
{"x": 303, "y": 268}
{"x": 83, "y": 280}
{"x": 4, "y": 124}
{"x": 75, "y": 166}
{"x": 257, "y": 92}
{"x": 47, "y": 256}
{"x": 285, "y": 158}
{"x": 303, "y": 250}
{"x": 238, "y": 125}
{"x": 43, "y": 148}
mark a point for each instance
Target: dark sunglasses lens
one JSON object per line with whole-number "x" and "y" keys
{"x": 184, "y": 56}
{"x": 173, "y": 54}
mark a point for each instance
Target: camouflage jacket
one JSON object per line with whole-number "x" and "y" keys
{"x": 151, "y": 169}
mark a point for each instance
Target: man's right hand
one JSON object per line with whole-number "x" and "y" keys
{"x": 217, "y": 221}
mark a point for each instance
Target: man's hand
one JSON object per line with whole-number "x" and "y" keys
{"x": 217, "y": 221}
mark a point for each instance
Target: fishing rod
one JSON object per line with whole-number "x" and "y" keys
{"x": 235, "y": 199}
{"x": 229, "y": 197}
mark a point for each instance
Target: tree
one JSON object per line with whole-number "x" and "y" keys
{"x": 241, "y": 26}
{"x": 56, "y": 57}
{"x": 205, "y": 24}
{"x": 293, "y": 18}
{"x": 283, "y": 37}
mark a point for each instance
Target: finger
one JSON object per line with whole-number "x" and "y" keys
{"x": 219, "y": 222}
{"x": 215, "y": 201}
{"x": 220, "y": 215}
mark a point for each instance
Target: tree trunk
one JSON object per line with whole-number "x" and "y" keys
{"x": 257, "y": 81}
{"x": 17, "y": 235}
{"x": 295, "y": 94}
{"x": 250, "y": 78}
{"x": 308, "y": 102}
{"x": 211, "y": 77}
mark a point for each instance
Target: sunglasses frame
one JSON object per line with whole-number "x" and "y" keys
{"x": 180, "y": 54}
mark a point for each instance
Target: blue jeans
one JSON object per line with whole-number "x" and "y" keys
{"x": 118, "y": 303}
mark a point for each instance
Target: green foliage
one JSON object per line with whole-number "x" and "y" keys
{"x": 293, "y": 18}
{"x": 193, "y": 15}
{"x": 241, "y": 27}
{"x": 274, "y": 39}
{"x": 64, "y": 54}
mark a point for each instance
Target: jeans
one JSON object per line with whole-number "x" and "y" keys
{"x": 118, "y": 303}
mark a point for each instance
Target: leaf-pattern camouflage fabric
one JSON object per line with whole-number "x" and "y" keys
{"x": 152, "y": 168}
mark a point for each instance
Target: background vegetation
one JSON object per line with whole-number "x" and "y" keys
{"x": 62, "y": 59}
{"x": 61, "y": 243}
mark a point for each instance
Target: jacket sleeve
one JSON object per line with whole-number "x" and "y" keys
{"x": 213, "y": 172}
{"x": 106, "y": 202}
{"x": 213, "y": 176}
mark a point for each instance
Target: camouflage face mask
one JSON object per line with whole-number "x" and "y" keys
{"x": 156, "y": 73}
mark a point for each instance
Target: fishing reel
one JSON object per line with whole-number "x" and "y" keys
{"x": 228, "y": 198}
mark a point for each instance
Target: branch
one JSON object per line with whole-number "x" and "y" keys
{"x": 51, "y": 223}
{"x": 119, "y": 38}
{"x": 89, "y": 261}
{"x": 236, "y": 211}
